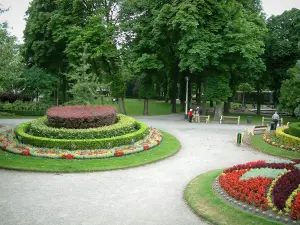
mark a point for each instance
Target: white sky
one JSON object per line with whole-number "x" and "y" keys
{"x": 15, "y": 16}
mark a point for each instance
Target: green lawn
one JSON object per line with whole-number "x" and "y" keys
{"x": 168, "y": 147}
{"x": 259, "y": 144}
{"x": 205, "y": 203}
{"x": 135, "y": 107}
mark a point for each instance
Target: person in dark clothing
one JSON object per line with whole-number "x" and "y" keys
{"x": 190, "y": 115}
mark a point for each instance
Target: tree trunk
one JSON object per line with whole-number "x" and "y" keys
{"x": 174, "y": 89}
{"x": 146, "y": 107}
{"x": 182, "y": 93}
{"x": 218, "y": 111}
{"x": 226, "y": 107}
{"x": 198, "y": 90}
{"x": 165, "y": 87}
{"x": 158, "y": 91}
{"x": 243, "y": 98}
{"x": 204, "y": 96}
{"x": 64, "y": 89}
{"x": 122, "y": 106}
{"x": 211, "y": 104}
{"x": 258, "y": 102}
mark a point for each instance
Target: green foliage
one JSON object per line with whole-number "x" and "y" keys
{"x": 245, "y": 88}
{"x": 24, "y": 106}
{"x": 38, "y": 82}
{"x": 284, "y": 135}
{"x": 124, "y": 125}
{"x": 218, "y": 88}
{"x": 282, "y": 46}
{"x": 263, "y": 172}
{"x": 10, "y": 59}
{"x": 294, "y": 130}
{"x": 290, "y": 92}
{"x": 24, "y": 137}
{"x": 85, "y": 83}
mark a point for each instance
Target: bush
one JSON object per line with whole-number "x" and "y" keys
{"x": 282, "y": 134}
{"x": 24, "y": 137}
{"x": 81, "y": 116}
{"x": 25, "y": 106}
{"x": 12, "y": 97}
{"x": 124, "y": 125}
{"x": 294, "y": 129}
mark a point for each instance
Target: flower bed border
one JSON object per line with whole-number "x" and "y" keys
{"x": 153, "y": 139}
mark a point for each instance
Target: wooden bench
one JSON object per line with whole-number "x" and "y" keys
{"x": 224, "y": 118}
{"x": 206, "y": 118}
{"x": 259, "y": 129}
{"x": 271, "y": 120}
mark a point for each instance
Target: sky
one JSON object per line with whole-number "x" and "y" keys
{"x": 15, "y": 16}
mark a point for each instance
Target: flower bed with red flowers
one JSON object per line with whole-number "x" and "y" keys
{"x": 275, "y": 141}
{"x": 10, "y": 144}
{"x": 81, "y": 116}
{"x": 269, "y": 187}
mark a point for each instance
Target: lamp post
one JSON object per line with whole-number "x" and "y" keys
{"x": 186, "y": 98}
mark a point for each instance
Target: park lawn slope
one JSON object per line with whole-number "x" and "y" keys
{"x": 201, "y": 198}
{"x": 168, "y": 147}
{"x": 259, "y": 144}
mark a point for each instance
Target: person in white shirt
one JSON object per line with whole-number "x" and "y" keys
{"x": 275, "y": 119}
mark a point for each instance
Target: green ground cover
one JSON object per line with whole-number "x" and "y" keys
{"x": 259, "y": 144}
{"x": 168, "y": 147}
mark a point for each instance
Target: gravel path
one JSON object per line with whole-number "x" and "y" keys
{"x": 147, "y": 195}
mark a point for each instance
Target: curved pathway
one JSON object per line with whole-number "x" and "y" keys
{"x": 147, "y": 195}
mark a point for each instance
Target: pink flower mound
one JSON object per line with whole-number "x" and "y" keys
{"x": 81, "y": 116}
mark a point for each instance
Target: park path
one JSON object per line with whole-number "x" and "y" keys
{"x": 147, "y": 195}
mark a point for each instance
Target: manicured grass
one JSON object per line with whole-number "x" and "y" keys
{"x": 168, "y": 147}
{"x": 135, "y": 107}
{"x": 205, "y": 203}
{"x": 259, "y": 144}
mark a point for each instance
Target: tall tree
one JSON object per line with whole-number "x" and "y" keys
{"x": 281, "y": 47}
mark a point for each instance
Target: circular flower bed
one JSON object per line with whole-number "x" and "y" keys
{"x": 271, "y": 188}
{"x": 81, "y": 116}
{"x": 278, "y": 142}
{"x": 10, "y": 144}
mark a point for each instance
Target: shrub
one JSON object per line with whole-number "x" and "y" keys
{"x": 24, "y": 137}
{"x": 12, "y": 97}
{"x": 81, "y": 116}
{"x": 294, "y": 129}
{"x": 124, "y": 125}
{"x": 282, "y": 134}
{"x": 25, "y": 106}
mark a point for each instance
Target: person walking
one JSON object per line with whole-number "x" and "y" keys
{"x": 275, "y": 119}
{"x": 190, "y": 115}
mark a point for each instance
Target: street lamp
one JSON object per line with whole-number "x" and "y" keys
{"x": 186, "y": 98}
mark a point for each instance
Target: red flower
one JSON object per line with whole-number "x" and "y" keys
{"x": 68, "y": 156}
{"x": 25, "y": 152}
{"x": 146, "y": 147}
{"x": 119, "y": 153}
{"x": 158, "y": 142}
{"x": 3, "y": 147}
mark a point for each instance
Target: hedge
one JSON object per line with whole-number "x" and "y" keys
{"x": 282, "y": 134}
{"x": 294, "y": 129}
{"x": 24, "y": 137}
{"x": 24, "y": 113}
{"x": 124, "y": 126}
{"x": 81, "y": 116}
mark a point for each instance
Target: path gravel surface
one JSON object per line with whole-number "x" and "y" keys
{"x": 147, "y": 195}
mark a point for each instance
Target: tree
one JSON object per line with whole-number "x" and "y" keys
{"x": 245, "y": 88}
{"x": 85, "y": 83}
{"x": 281, "y": 47}
{"x": 38, "y": 82}
{"x": 10, "y": 59}
{"x": 218, "y": 90}
{"x": 290, "y": 91}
